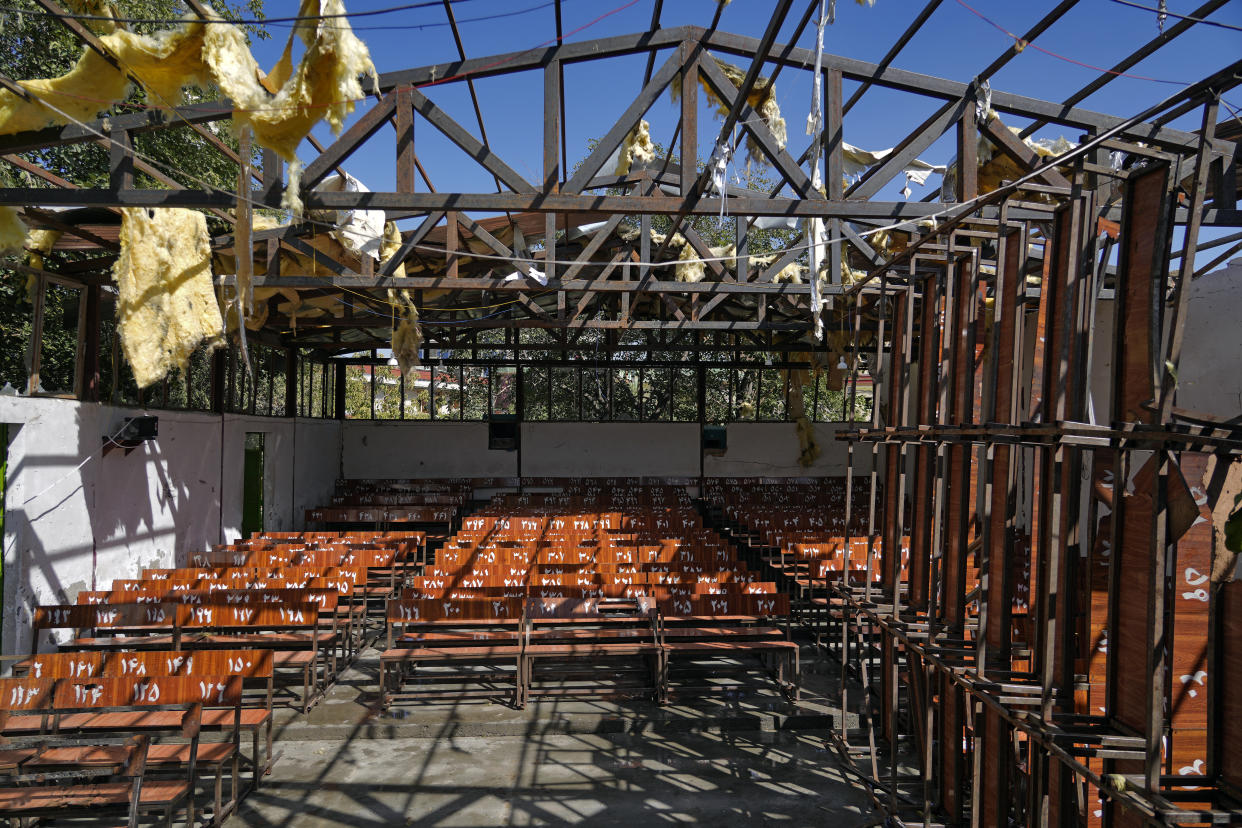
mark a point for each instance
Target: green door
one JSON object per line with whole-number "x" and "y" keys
{"x": 252, "y": 485}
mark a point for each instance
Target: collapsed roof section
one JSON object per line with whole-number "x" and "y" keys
{"x": 656, "y": 243}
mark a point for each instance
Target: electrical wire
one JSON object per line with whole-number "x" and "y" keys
{"x": 327, "y": 225}
{"x": 427, "y": 248}
{"x": 236, "y": 21}
{"x": 141, "y": 107}
{"x": 1180, "y": 16}
{"x": 107, "y": 442}
{"x": 955, "y": 208}
{"x": 1023, "y": 44}
{"x": 1027, "y": 44}
{"x": 306, "y": 220}
{"x": 421, "y": 26}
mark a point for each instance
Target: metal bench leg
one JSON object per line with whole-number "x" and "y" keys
{"x": 218, "y": 816}
{"x": 383, "y": 686}
{"x": 259, "y": 767}
{"x": 664, "y": 671}
{"x": 522, "y": 680}
{"x": 796, "y": 679}
{"x": 236, "y": 775}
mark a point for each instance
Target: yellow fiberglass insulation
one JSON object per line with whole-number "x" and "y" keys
{"x": 636, "y": 148}
{"x": 690, "y": 269}
{"x": 762, "y": 99}
{"x": 166, "y": 306}
{"x": 324, "y": 84}
{"x": 12, "y": 230}
{"x": 407, "y": 338}
{"x": 790, "y": 274}
{"x": 95, "y": 8}
{"x": 995, "y": 167}
{"x": 39, "y": 243}
{"x": 391, "y": 244}
{"x": 808, "y": 447}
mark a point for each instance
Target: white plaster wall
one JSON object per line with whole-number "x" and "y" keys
{"x": 771, "y": 450}
{"x": 384, "y": 449}
{"x": 1210, "y": 379}
{"x": 317, "y": 465}
{"x": 73, "y": 525}
{"x": 610, "y": 449}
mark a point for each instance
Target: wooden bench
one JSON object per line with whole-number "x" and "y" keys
{"x": 722, "y": 628}
{"x": 297, "y": 633}
{"x": 251, "y": 665}
{"x": 39, "y": 711}
{"x": 55, "y": 780}
{"x": 464, "y": 633}
{"x": 570, "y": 634}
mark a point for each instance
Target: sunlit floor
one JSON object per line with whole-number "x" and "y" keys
{"x": 721, "y": 779}
{"x": 559, "y": 762}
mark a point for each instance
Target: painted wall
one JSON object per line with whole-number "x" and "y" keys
{"x": 434, "y": 449}
{"x": 422, "y": 449}
{"x": 771, "y": 450}
{"x": 77, "y": 519}
{"x": 1210, "y": 380}
{"x": 610, "y": 449}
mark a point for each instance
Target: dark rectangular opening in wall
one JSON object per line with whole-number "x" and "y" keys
{"x": 503, "y": 433}
{"x": 252, "y": 484}
{"x": 715, "y": 439}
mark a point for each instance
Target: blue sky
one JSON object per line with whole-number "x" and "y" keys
{"x": 954, "y": 43}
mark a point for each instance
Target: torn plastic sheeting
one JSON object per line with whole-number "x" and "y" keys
{"x": 166, "y": 306}
{"x": 718, "y": 165}
{"x": 585, "y": 229}
{"x": 361, "y": 232}
{"x": 857, "y": 161}
{"x": 776, "y": 223}
{"x": 532, "y": 273}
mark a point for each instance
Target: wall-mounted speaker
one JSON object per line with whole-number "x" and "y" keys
{"x": 715, "y": 439}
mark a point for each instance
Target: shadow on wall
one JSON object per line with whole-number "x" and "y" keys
{"x": 71, "y": 527}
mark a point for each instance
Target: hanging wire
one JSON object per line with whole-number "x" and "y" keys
{"x": 236, "y": 21}
{"x": 1162, "y": 10}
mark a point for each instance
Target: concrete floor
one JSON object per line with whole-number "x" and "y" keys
{"x": 739, "y": 758}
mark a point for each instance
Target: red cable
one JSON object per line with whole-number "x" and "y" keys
{"x": 1024, "y": 43}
